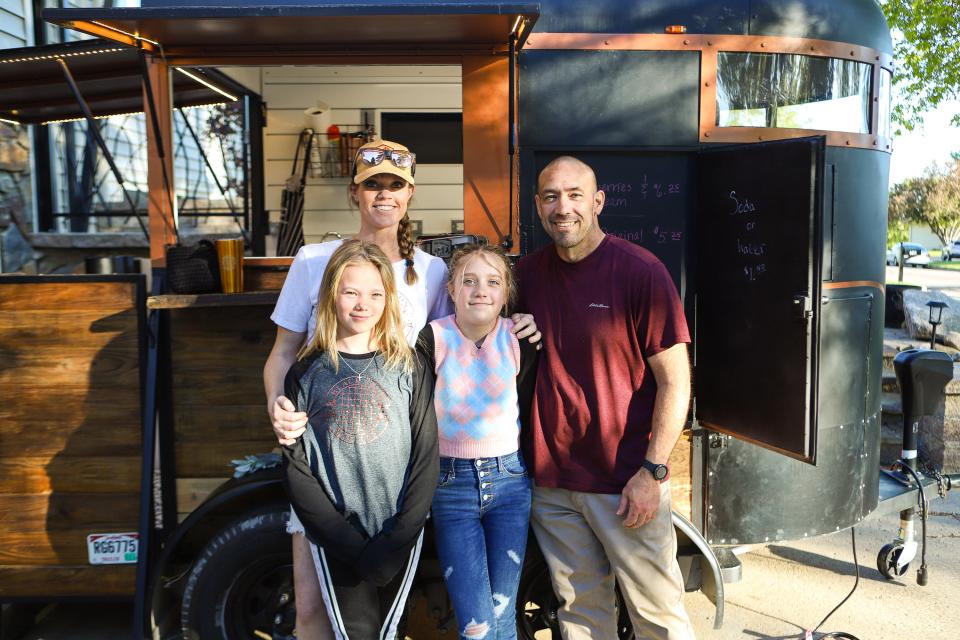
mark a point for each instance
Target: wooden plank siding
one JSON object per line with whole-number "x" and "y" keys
{"x": 288, "y": 91}
{"x": 70, "y": 432}
{"x": 220, "y": 414}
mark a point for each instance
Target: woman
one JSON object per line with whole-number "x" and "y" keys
{"x": 381, "y": 189}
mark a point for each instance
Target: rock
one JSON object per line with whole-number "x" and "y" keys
{"x": 15, "y": 251}
{"x": 917, "y": 314}
{"x": 952, "y": 339}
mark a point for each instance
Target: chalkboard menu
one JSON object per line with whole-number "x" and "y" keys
{"x": 759, "y": 247}
{"x": 648, "y": 200}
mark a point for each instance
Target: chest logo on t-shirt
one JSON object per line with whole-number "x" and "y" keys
{"x": 598, "y": 305}
{"x": 356, "y": 411}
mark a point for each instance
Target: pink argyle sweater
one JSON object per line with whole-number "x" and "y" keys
{"x": 476, "y": 390}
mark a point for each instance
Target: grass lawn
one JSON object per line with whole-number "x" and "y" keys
{"x": 953, "y": 265}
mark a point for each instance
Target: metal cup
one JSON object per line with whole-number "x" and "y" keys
{"x": 230, "y": 258}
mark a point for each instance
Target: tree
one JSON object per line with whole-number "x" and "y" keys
{"x": 926, "y": 56}
{"x": 932, "y": 199}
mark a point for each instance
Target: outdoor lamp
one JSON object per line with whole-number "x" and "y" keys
{"x": 936, "y": 313}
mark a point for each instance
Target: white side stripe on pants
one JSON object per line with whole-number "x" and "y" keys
{"x": 392, "y": 621}
{"x": 329, "y": 596}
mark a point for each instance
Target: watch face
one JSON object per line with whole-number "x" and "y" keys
{"x": 660, "y": 473}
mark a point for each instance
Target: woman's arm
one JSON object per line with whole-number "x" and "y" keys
{"x": 288, "y": 423}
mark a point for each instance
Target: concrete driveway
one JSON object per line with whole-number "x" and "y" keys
{"x": 786, "y": 589}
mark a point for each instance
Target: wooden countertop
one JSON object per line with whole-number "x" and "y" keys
{"x": 247, "y": 298}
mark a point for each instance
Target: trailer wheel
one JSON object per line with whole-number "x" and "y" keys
{"x": 241, "y": 585}
{"x": 537, "y": 604}
{"x": 887, "y": 561}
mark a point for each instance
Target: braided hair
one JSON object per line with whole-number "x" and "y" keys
{"x": 405, "y": 242}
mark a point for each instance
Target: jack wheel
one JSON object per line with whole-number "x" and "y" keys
{"x": 887, "y": 561}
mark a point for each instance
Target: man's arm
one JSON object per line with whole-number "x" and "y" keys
{"x": 640, "y": 498}
{"x": 288, "y": 423}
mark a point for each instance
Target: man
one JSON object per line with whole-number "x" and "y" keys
{"x": 612, "y": 395}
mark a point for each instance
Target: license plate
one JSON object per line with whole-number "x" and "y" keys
{"x": 112, "y": 548}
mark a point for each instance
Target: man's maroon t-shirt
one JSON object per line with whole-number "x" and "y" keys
{"x": 601, "y": 318}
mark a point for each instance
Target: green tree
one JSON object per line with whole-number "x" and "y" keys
{"x": 932, "y": 199}
{"x": 926, "y": 55}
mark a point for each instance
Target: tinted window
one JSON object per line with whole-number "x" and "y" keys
{"x": 436, "y": 138}
{"x": 793, "y": 91}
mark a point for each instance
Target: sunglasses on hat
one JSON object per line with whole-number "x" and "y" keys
{"x": 400, "y": 159}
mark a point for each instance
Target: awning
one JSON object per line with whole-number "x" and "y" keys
{"x": 354, "y": 29}
{"x": 33, "y": 88}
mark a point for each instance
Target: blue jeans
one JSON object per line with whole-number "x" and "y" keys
{"x": 481, "y": 512}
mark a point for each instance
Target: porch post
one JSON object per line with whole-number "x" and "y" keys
{"x": 160, "y": 204}
{"x": 486, "y": 159}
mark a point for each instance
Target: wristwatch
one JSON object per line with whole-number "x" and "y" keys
{"x": 659, "y": 471}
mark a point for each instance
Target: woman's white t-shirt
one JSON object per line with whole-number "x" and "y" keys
{"x": 420, "y": 302}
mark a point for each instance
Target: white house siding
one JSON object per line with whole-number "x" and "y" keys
{"x": 14, "y": 24}
{"x": 288, "y": 91}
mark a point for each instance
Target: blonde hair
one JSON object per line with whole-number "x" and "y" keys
{"x": 501, "y": 262}
{"x": 387, "y": 333}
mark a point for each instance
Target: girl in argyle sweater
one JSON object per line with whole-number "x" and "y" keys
{"x": 484, "y": 387}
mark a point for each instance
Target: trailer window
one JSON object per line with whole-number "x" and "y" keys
{"x": 884, "y": 103}
{"x": 793, "y": 91}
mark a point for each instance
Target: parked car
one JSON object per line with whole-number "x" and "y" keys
{"x": 951, "y": 251}
{"x": 914, "y": 254}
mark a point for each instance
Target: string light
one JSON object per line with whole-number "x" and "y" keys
{"x": 60, "y": 55}
{"x": 206, "y": 84}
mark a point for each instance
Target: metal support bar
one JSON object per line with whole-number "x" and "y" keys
{"x": 145, "y": 527}
{"x": 216, "y": 180}
{"x": 95, "y": 130}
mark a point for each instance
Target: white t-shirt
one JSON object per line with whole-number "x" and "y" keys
{"x": 420, "y": 302}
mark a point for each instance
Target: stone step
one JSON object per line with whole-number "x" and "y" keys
{"x": 888, "y": 383}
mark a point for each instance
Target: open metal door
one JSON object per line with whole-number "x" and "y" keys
{"x": 758, "y": 249}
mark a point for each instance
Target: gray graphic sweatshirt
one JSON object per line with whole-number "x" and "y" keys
{"x": 362, "y": 476}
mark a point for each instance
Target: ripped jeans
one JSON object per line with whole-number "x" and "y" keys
{"x": 481, "y": 513}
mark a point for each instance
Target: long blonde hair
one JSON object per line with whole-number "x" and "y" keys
{"x": 387, "y": 333}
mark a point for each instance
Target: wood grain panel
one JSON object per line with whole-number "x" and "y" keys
{"x": 105, "y": 297}
{"x": 201, "y": 424}
{"x": 85, "y": 435}
{"x": 87, "y": 329}
{"x": 203, "y": 461}
{"x": 93, "y": 474}
{"x": 681, "y": 473}
{"x": 56, "y": 367}
{"x": 76, "y": 580}
{"x": 191, "y": 492}
{"x": 59, "y": 511}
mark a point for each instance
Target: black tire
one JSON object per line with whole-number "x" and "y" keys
{"x": 537, "y": 604}
{"x": 887, "y": 561}
{"x": 242, "y": 582}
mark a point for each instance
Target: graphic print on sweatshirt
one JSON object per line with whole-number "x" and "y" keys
{"x": 356, "y": 411}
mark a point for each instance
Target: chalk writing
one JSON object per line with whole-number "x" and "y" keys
{"x": 751, "y": 248}
{"x": 741, "y": 207}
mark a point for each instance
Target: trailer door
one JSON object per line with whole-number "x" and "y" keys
{"x": 758, "y": 254}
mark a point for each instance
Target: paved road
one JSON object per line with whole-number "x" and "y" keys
{"x": 945, "y": 279}
{"x": 786, "y": 589}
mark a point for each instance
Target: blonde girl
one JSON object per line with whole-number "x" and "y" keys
{"x": 382, "y": 189}
{"x": 484, "y": 387}
{"x": 362, "y": 476}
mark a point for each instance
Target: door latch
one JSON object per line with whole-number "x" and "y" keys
{"x": 802, "y": 306}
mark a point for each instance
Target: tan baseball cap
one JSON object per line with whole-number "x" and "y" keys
{"x": 363, "y": 169}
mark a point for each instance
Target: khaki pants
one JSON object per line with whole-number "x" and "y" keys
{"x": 586, "y": 546}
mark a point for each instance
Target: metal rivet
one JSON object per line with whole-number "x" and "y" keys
{"x": 763, "y": 45}
{"x": 606, "y": 42}
{"x": 706, "y": 84}
{"x": 706, "y": 134}
{"x": 686, "y": 42}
